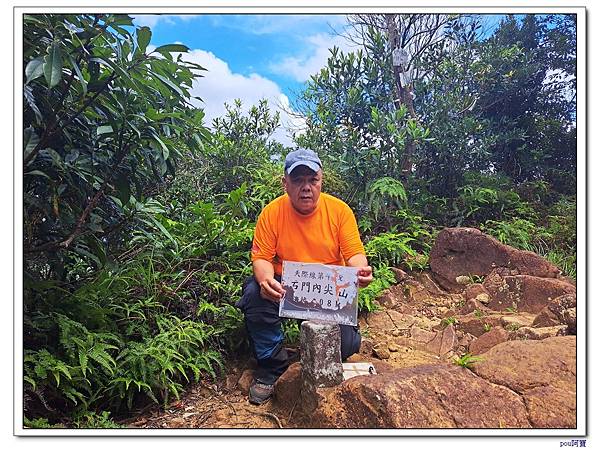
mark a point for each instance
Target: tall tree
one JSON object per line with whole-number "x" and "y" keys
{"x": 413, "y": 37}
{"x": 103, "y": 120}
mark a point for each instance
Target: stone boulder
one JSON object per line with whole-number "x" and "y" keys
{"x": 287, "y": 387}
{"x": 245, "y": 380}
{"x": 467, "y": 252}
{"x": 542, "y": 372}
{"x": 473, "y": 290}
{"x": 538, "y": 333}
{"x": 471, "y": 305}
{"x": 477, "y": 325}
{"x": 400, "y": 275}
{"x": 524, "y": 292}
{"x": 550, "y": 407}
{"x": 438, "y": 343}
{"x": 560, "y": 311}
{"x": 483, "y": 343}
{"x": 392, "y": 296}
{"x": 427, "y": 396}
{"x": 387, "y": 321}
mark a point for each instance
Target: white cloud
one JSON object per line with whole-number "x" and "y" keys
{"x": 150, "y": 20}
{"x": 301, "y": 67}
{"x": 277, "y": 23}
{"x": 220, "y": 85}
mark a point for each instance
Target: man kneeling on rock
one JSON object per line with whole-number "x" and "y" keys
{"x": 303, "y": 225}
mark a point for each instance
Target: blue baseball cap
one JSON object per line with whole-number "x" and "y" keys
{"x": 302, "y": 157}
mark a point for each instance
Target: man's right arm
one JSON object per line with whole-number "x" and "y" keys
{"x": 264, "y": 273}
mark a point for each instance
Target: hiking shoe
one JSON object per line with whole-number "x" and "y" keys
{"x": 259, "y": 392}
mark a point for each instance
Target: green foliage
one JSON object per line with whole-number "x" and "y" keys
{"x": 39, "y": 423}
{"x": 389, "y": 248}
{"x": 156, "y": 366}
{"x": 562, "y": 224}
{"x": 241, "y": 152}
{"x": 160, "y": 319}
{"x": 384, "y": 193}
{"x": 354, "y": 125}
{"x": 96, "y": 420}
{"x": 467, "y": 360}
{"x": 105, "y": 123}
{"x": 449, "y": 321}
{"x": 518, "y": 233}
{"x": 291, "y": 331}
{"x": 485, "y": 197}
{"x": 512, "y": 327}
{"x": 383, "y": 278}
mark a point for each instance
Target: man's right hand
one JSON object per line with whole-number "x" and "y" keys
{"x": 272, "y": 290}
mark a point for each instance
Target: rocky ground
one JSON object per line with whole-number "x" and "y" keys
{"x": 485, "y": 339}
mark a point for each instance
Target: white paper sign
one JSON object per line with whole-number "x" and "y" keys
{"x": 319, "y": 291}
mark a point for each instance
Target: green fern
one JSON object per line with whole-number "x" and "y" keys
{"x": 383, "y": 278}
{"x": 389, "y": 248}
{"x": 384, "y": 192}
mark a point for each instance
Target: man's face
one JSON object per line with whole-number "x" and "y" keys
{"x": 303, "y": 187}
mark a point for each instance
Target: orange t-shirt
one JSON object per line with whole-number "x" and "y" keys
{"x": 328, "y": 235}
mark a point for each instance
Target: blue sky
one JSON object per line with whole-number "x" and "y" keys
{"x": 251, "y": 56}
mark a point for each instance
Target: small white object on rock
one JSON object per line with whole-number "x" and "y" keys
{"x": 352, "y": 370}
{"x": 483, "y": 298}
{"x": 463, "y": 279}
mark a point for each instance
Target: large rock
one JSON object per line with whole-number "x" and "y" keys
{"x": 435, "y": 342}
{"x": 386, "y": 321}
{"x": 516, "y": 321}
{"x": 550, "y": 407}
{"x": 560, "y": 311}
{"x": 524, "y": 292}
{"x": 392, "y": 296}
{"x": 245, "y": 380}
{"x": 538, "y": 333}
{"x": 287, "y": 387}
{"x": 473, "y": 290}
{"x": 468, "y": 251}
{"x": 483, "y": 343}
{"x": 472, "y": 305}
{"x": 427, "y": 396}
{"x": 475, "y": 325}
{"x": 543, "y": 372}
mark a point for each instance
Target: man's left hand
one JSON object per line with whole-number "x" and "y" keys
{"x": 365, "y": 276}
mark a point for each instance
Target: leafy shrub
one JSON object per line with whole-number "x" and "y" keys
{"x": 562, "y": 224}
{"x": 484, "y": 197}
{"x": 518, "y": 233}
{"x": 384, "y": 194}
{"x": 96, "y": 420}
{"x": 40, "y": 422}
{"x": 389, "y": 248}
{"x": 383, "y": 278}
{"x": 156, "y": 366}
{"x": 291, "y": 331}
{"x": 449, "y": 321}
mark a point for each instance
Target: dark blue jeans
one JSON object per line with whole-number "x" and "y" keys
{"x": 266, "y": 337}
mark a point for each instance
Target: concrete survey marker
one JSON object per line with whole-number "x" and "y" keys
{"x": 319, "y": 292}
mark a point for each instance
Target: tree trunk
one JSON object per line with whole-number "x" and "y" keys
{"x": 403, "y": 95}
